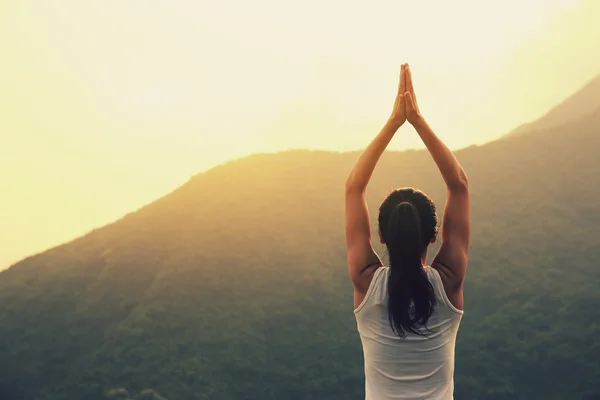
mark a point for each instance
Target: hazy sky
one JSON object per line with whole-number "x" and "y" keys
{"x": 107, "y": 105}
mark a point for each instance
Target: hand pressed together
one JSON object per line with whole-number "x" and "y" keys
{"x": 406, "y": 107}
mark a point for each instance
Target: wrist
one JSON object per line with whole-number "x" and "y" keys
{"x": 419, "y": 122}
{"x": 393, "y": 124}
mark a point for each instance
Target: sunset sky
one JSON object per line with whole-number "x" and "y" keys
{"x": 107, "y": 105}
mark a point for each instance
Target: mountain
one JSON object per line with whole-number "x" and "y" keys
{"x": 234, "y": 286}
{"x": 582, "y": 103}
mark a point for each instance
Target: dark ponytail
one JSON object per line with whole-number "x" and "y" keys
{"x": 411, "y": 297}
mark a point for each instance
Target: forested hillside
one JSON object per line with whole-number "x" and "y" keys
{"x": 235, "y": 285}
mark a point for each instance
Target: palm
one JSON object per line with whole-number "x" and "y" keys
{"x": 410, "y": 99}
{"x": 399, "y": 111}
{"x": 405, "y": 106}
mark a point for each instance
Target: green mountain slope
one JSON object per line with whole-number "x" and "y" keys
{"x": 234, "y": 286}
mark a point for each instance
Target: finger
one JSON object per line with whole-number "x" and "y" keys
{"x": 409, "y": 101}
{"x": 409, "y": 82}
{"x": 401, "y": 85}
{"x": 402, "y": 88}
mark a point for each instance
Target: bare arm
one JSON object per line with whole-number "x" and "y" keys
{"x": 453, "y": 174}
{"x": 451, "y": 260}
{"x": 362, "y": 259}
{"x": 452, "y": 257}
{"x": 361, "y": 173}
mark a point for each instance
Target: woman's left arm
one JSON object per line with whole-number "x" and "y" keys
{"x": 362, "y": 259}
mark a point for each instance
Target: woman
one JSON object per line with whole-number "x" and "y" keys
{"x": 408, "y": 313}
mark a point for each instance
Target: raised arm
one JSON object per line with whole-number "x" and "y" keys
{"x": 451, "y": 260}
{"x": 362, "y": 259}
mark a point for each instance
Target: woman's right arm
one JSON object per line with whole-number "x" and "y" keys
{"x": 451, "y": 260}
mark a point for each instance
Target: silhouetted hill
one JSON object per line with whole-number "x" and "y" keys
{"x": 234, "y": 286}
{"x": 585, "y": 101}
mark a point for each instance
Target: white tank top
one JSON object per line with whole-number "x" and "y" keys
{"x": 415, "y": 367}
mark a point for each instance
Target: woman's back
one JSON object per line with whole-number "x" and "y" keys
{"x": 416, "y": 367}
{"x": 392, "y": 303}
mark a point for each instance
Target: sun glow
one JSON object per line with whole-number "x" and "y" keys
{"x": 151, "y": 98}
{"x": 105, "y": 106}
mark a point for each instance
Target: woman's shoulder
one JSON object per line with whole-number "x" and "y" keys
{"x": 442, "y": 289}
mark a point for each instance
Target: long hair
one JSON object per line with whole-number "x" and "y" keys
{"x": 408, "y": 223}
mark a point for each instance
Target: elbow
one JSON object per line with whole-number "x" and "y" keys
{"x": 460, "y": 184}
{"x": 352, "y": 187}
{"x": 350, "y": 184}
